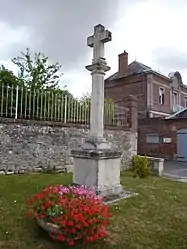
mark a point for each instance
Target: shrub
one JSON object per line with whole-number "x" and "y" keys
{"x": 140, "y": 166}
{"x": 78, "y": 214}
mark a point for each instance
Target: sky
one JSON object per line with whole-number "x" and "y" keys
{"x": 151, "y": 31}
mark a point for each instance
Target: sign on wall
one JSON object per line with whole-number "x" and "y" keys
{"x": 167, "y": 140}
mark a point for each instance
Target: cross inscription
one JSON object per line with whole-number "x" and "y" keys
{"x": 97, "y": 41}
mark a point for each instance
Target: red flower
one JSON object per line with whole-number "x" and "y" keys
{"x": 70, "y": 223}
{"x": 78, "y": 215}
{"x": 41, "y": 216}
{"x": 60, "y": 237}
{"x": 78, "y": 226}
{"x": 71, "y": 242}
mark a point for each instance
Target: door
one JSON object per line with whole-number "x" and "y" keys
{"x": 182, "y": 145}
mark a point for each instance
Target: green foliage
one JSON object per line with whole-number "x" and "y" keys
{"x": 38, "y": 93}
{"x": 132, "y": 219}
{"x": 108, "y": 108}
{"x": 86, "y": 99}
{"x": 8, "y": 83}
{"x": 38, "y": 90}
{"x": 36, "y": 71}
{"x": 140, "y": 166}
{"x": 7, "y": 77}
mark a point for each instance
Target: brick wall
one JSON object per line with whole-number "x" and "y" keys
{"x": 33, "y": 146}
{"x": 140, "y": 85}
{"x": 122, "y": 88}
{"x": 165, "y": 128}
{"x": 157, "y": 83}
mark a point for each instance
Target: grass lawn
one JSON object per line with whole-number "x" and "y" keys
{"x": 156, "y": 219}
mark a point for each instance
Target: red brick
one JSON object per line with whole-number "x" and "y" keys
{"x": 164, "y": 128}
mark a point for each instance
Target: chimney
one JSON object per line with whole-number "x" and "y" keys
{"x": 122, "y": 63}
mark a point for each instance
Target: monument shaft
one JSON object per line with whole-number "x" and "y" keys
{"x": 98, "y": 69}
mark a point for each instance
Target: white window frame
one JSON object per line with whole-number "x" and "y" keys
{"x": 161, "y": 95}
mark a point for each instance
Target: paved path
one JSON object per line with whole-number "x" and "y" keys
{"x": 176, "y": 170}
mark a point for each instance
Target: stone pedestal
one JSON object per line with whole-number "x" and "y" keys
{"x": 99, "y": 169}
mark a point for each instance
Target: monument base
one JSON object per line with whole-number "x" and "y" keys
{"x": 96, "y": 144}
{"x": 99, "y": 169}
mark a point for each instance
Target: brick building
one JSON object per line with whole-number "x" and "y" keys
{"x": 158, "y": 95}
{"x": 166, "y": 138}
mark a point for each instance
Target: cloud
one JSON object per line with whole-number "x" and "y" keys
{"x": 58, "y": 28}
{"x": 170, "y": 58}
{"x": 12, "y": 41}
{"x": 152, "y": 31}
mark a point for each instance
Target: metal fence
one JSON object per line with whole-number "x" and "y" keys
{"x": 53, "y": 105}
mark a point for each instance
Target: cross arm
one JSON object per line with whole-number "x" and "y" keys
{"x": 106, "y": 36}
{"x": 90, "y": 41}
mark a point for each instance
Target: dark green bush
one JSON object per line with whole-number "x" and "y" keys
{"x": 140, "y": 166}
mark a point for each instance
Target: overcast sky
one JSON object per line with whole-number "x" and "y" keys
{"x": 152, "y": 31}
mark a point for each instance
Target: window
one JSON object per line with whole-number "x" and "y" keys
{"x": 175, "y": 98}
{"x": 161, "y": 95}
{"x": 152, "y": 139}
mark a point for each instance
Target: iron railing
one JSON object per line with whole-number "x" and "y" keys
{"x": 21, "y": 102}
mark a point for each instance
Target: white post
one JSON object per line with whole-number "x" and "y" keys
{"x": 16, "y": 111}
{"x": 65, "y": 110}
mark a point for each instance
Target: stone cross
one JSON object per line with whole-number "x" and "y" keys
{"x": 97, "y": 41}
{"x": 97, "y": 163}
{"x": 98, "y": 69}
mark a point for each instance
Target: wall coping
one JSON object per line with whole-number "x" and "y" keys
{"x": 154, "y": 158}
{"x": 26, "y": 122}
{"x": 96, "y": 154}
{"x": 150, "y": 121}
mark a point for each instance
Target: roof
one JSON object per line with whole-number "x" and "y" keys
{"x": 136, "y": 68}
{"x": 180, "y": 114}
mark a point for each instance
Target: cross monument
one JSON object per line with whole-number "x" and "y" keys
{"x": 98, "y": 69}
{"x": 96, "y": 163}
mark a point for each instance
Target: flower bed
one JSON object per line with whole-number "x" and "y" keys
{"x": 71, "y": 214}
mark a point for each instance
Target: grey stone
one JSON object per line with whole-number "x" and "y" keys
{"x": 69, "y": 168}
{"x": 9, "y": 172}
{"x": 21, "y": 171}
{"x": 37, "y": 170}
{"x": 123, "y": 195}
{"x": 2, "y": 172}
{"x": 27, "y": 153}
{"x": 99, "y": 169}
{"x": 59, "y": 168}
{"x": 62, "y": 170}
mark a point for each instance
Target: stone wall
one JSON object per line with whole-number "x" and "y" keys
{"x": 27, "y": 146}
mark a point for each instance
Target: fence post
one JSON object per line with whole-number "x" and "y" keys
{"x": 65, "y": 110}
{"x": 16, "y": 111}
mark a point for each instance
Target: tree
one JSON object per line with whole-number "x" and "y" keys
{"x": 108, "y": 108}
{"x": 7, "y": 78}
{"x": 36, "y": 71}
{"x": 8, "y": 83}
{"x": 41, "y": 96}
{"x": 86, "y": 99}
